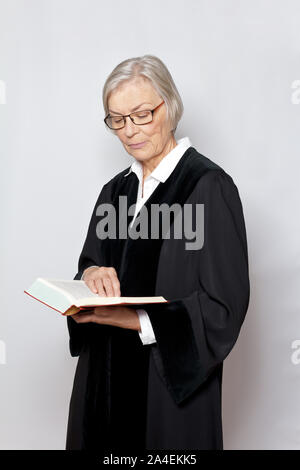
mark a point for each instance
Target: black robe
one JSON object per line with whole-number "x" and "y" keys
{"x": 165, "y": 395}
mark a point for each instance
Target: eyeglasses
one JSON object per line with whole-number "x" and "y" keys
{"x": 139, "y": 117}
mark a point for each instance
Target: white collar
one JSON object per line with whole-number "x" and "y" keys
{"x": 166, "y": 165}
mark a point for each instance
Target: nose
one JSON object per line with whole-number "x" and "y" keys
{"x": 130, "y": 128}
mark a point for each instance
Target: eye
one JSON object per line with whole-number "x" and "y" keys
{"x": 141, "y": 113}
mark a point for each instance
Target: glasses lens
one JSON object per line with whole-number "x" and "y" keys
{"x": 142, "y": 117}
{"x": 115, "y": 122}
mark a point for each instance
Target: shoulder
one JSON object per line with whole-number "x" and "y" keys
{"x": 213, "y": 178}
{"x": 197, "y": 160}
{"x": 116, "y": 180}
{"x": 109, "y": 187}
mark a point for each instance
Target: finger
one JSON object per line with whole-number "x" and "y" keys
{"x": 91, "y": 285}
{"x": 99, "y": 287}
{"x": 83, "y": 317}
{"x": 108, "y": 286}
{"x": 75, "y": 317}
{"x": 115, "y": 283}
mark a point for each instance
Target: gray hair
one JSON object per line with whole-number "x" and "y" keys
{"x": 153, "y": 69}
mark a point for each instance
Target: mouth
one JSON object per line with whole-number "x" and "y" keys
{"x": 136, "y": 146}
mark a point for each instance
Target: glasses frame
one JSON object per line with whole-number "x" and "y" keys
{"x": 129, "y": 115}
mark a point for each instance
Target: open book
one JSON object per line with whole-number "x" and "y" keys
{"x": 69, "y": 297}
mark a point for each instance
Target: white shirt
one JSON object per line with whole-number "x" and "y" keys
{"x": 159, "y": 175}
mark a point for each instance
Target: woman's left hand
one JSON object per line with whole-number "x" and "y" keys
{"x": 115, "y": 315}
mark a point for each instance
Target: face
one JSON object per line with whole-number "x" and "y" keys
{"x": 140, "y": 94}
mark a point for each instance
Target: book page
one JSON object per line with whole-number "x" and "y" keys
{"x": 76, "y": 289}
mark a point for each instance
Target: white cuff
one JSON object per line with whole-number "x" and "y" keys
{"x": 146, "y": 334}
{"x": 86, "y": 269}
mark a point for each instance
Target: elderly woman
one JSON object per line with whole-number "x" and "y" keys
{"x": 149, "y": 376}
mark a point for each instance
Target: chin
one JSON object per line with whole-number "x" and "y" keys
{"x": 136, "y": 151}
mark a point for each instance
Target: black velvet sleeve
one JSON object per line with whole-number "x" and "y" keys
{"x": 195, "y": 334}
{"x": 90, "y": 256}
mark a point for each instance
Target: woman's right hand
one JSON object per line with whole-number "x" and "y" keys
{"x": 102, "y": 280}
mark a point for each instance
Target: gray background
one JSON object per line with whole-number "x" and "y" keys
{"x": 235, "y": 64}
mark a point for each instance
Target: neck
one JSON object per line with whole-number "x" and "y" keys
{"x": 149, "y": 165}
